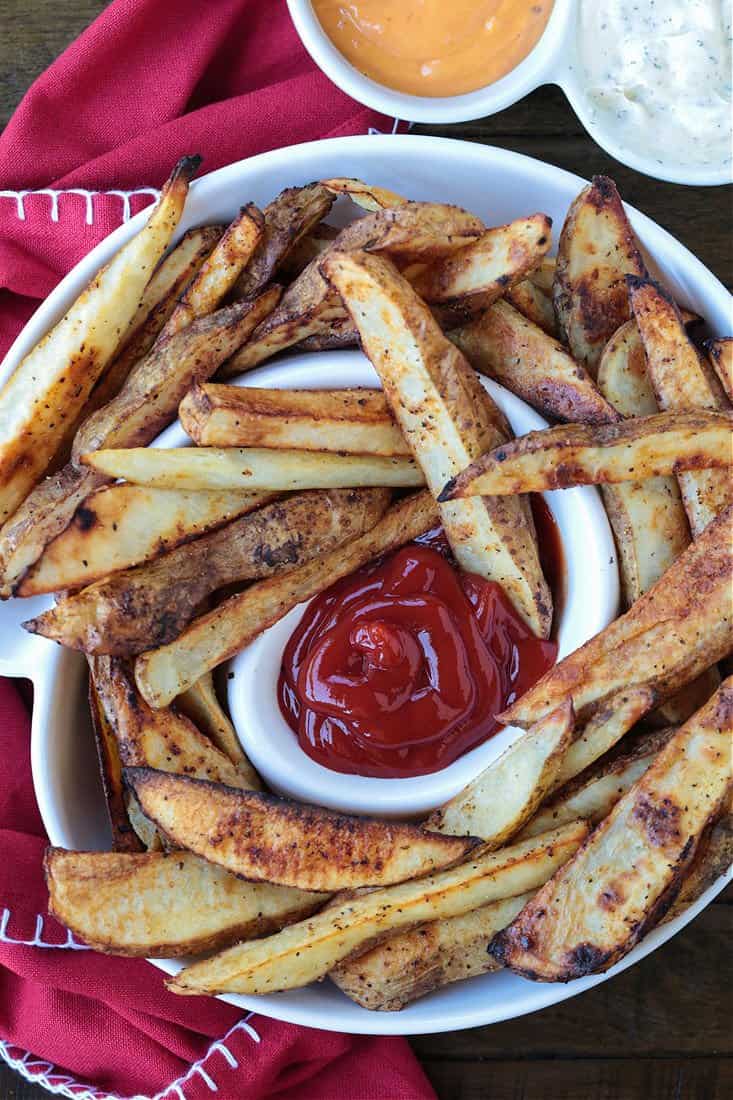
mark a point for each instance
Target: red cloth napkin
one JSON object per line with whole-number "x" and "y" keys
{"x": 90, "y": 143}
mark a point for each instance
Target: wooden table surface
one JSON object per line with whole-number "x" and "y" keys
{"x": 660, "y": 1031}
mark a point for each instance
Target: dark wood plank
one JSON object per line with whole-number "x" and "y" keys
{"x": 609, "y": 1079}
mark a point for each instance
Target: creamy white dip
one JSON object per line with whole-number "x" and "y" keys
{"x": 657, "y": 76}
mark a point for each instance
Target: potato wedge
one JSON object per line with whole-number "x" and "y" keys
{"x": 157, "y": 738}
{"x": 614, "y": 718}
{"x": 714, "y": 858}
{"x": 411, "y": 964}
{"x": 592, "y": 795}
{"x": 506, "y": 346}
{"x": 484, "y": 269}
{"x": 49, "y": 387}
{"x": 146, "y": 404}
{"x": 164, "y": 673}
{"x": 365, "y": 195}
{"x": 357, "y": 421}
{"x": 678, "y": 629}
{"x": 160, "y": 904}
{"x": 312, "y": 948}
{"x": 308, "y": 248}
{"x": 624, "y": 878}
{"x": 124, "y": 837}
{"x": 151, "y": 396}
{"x": 201, "y": 705}
{"x": 288, "y": 218}
{"x": 253, "y": 468}
{"x": 597, "y": 249}
{"x": 720, "y": 354}
{"x": 534, "y": 305}
{"x": 158, "y": 301}
{"x": 414, "y": 230}
{"x": 262, "y": 837}
{"x": 124, "y": 525}
{"x": 149, "y": 605}
{"x": 622, "y": 373}
{"x": 497, "y": 802}
{"x": 575, "y": 454}
{"x": 448, "y": 420}
{"x": 219, "y": 271}
{"x": 543, "y": 275}
{"x": 680, "y": 384}
{"x": 148, "y": 835}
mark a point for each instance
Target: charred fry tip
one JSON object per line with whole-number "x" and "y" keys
{"x": 186, "y": 167}
{"x": 448, "y": 491}
{"x": 640, "y": 282}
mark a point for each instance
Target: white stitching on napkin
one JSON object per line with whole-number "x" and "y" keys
{"x": 19, "y": 198}
{"x": 70, "y": 944}
{"x": 61, "y": 1084}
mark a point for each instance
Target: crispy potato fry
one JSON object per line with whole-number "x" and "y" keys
{"x": 447, "y": 419}
{"x": 504, "y": 345}
{"x": 124, "y": 525}
{"x": 201, "y": 705}
{"x": 485, "y": 268}
{"x": 720, "y": 354}
{"x": 150, "y": 398}
{"x": 497, "y": 802}
{"x": 262, "y": 837}
{"x": 50, "y": 386}
{"x": 592, "y": 795}
{"x": 160, "y": 905}
{"x": 533, "y": 304}
{"x": 615, "y": 717}
{"x": 146, "y": 606}
{"x": 308, "y": 248}
{"x": 124, "y": 837}
{"x": 675, "y": 631}
{"x": 288, "y": 218}
{"x": 411, "y": 964}
{"x": 365, "y": 195}
{"x": 158, "y": 301}
{"x": 597, "y": 249}
{"x": 357, "y": 421}
{"x": 169, "y": 670}
{"x": 312, "y": 948}
{"x": 219, "y": 271}
{"x": 648, "y": 518}
{"x": 157, "y": 738}
{"x": 309, "y": 306}
{"x": 680, "y": 384}
{"x": 576, "y": 454}
{"x": 259, "y": 468}
{"x": 624, "y": 878}
{"x": 145, "y": 405}
{"x": 622, "y": 373}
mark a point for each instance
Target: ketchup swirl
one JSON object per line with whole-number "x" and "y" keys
{"x": 402, "y": 667}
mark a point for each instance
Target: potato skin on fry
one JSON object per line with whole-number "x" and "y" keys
{"x": 310, "y": 949}
{"x": 164, "y": 673}
{"x": 677, "y": 630}
{"x": 504, "y": 345}
{"x": 124, "y": 837}
{"x": 627, "y": 874}
{"x": 357, "y": 421}
{"x": 720, "y": 354}
{"x": 150, "y": 604}
{"x": 164, "y": 904}
{"x": 265, "y": 838}
{"x": 630, "y": 450}
{"x": 597, "y": 249}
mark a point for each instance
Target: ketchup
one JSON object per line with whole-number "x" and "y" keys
{"x": 400, "y": 668}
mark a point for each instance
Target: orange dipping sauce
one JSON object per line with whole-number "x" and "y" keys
{"x": 434, "y": 47}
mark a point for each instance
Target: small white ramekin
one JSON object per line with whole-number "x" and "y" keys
{"x": 590, "y": 601}
{"x": 552, "y": 61}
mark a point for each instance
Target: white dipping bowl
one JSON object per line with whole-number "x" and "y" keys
{"x": 590, "y": 602}
{"x": 553, "y": 60}
{"x": 496, "y": 184}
